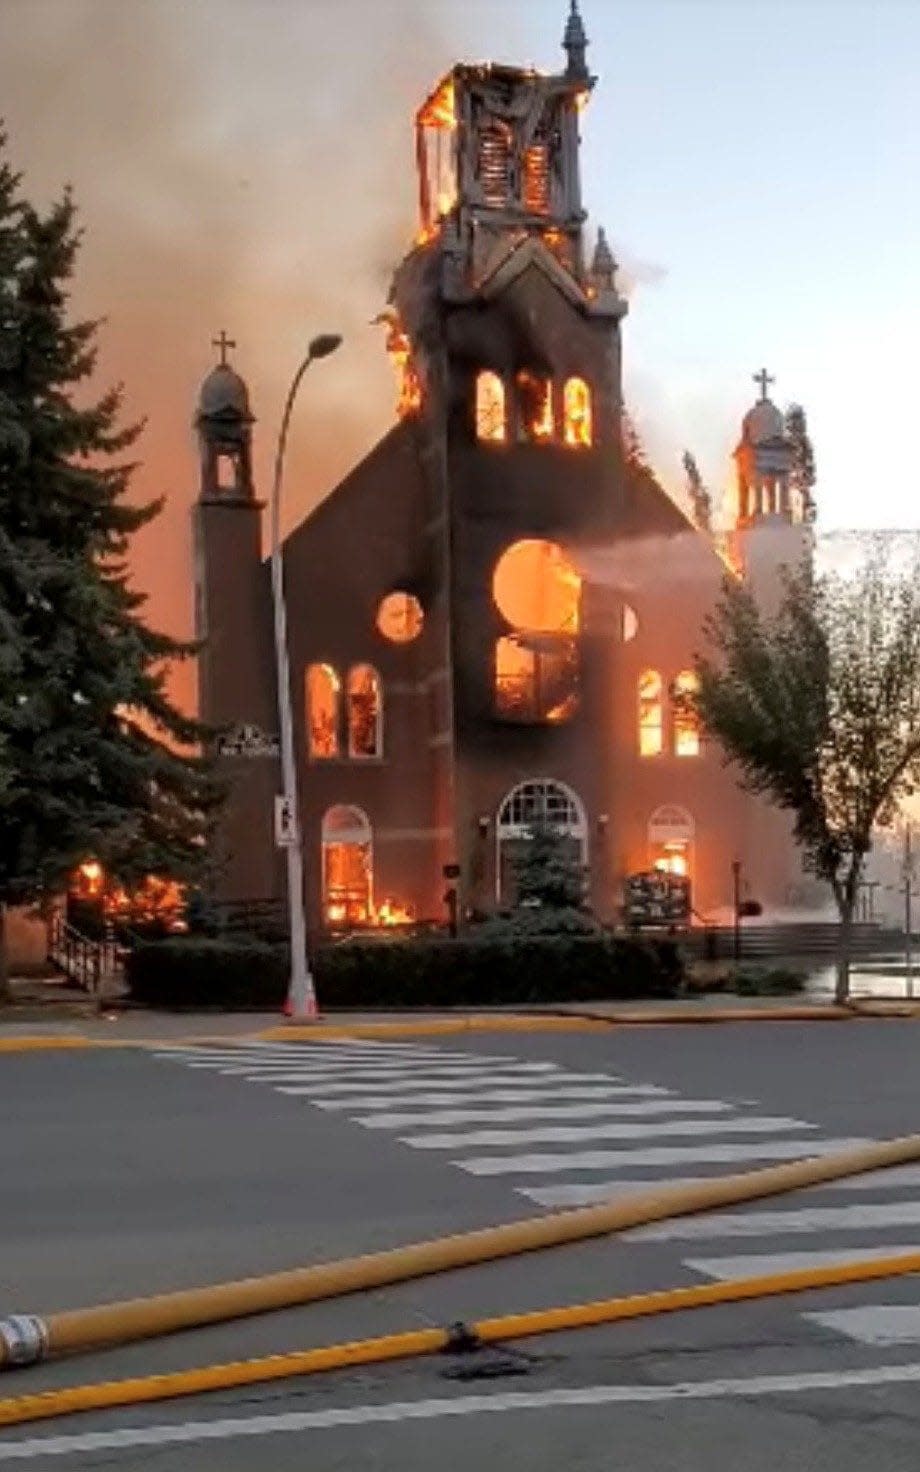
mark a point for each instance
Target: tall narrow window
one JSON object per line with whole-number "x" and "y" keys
{"x": 495, "y": 146}
{"x": 577, "y": 408}
{"x": 535, "y": 407}
{"x": 650, "y": 714}
{"x": 490, "y": 409}
{"x": 365, "y": 712}
{"x": 322, "y": 711}
{"x": 348, "y": 866}
{"x": 686, "y": 721}
{"x": 536, "y": 179}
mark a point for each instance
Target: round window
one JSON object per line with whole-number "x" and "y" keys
{"x": 400, "y": 617}
{"x": 537, "y": 588}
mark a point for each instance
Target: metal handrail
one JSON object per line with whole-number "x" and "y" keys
{"x": 83, "y": 960}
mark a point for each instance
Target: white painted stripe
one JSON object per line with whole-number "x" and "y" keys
{"x": 496, "y": 1096}
{"x": 761, "y": 1264}
{"x": 538, "y": 1164}
{"x": 574, "y": 1134}
{"x": 582, "y": 1195}
{"x": 862, "y": 1216}
{"x": 396, "y": 1413}
{"x": 546, "y": 1111}
{"x": 877, "y": 1324}
{"x": 424, "y": 1078}
{"x": 386, "y": 1072}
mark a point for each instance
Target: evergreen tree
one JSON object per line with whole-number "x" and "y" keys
{"x": 547, "y": 872}
{"x": 95, "y": 759}
{"x": 700, "y": 499}
{"x": 804, "y": 474}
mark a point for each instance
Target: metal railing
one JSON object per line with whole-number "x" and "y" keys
{"x": 86, "y": 962}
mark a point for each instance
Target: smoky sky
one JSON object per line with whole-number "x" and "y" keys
{"x": 238, "y": 164}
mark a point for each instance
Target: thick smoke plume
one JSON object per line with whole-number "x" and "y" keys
{"x": 245, "y": 164}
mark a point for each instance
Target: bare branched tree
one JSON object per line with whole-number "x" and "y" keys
{"x": 818, "y": 705}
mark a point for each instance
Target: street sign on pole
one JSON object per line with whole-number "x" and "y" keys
{"x": 285, "y": 825}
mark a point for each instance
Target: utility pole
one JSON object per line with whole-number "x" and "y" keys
{"x": 908, "y": 919}
{"x": 736, "y": 904}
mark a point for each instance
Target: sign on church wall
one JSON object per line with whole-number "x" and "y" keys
{"x": 247, "y": 741}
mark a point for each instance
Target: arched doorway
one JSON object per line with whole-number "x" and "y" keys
{"x": 671, "y": 831}
{"x": 347, "y": 866}
{"x": 530, "y": 804}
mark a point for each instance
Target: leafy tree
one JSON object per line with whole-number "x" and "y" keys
{"x": 700, "y": 499}
{"x": 96, "y": 758}
{"x": 804, "y": 474}
{"x": 818, "y": 705}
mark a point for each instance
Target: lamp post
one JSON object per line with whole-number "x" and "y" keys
{"x": 301, "y": 993}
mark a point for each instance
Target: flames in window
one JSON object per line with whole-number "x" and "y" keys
{"x": 686, "y": 721}
{"x": 578, "y": 428}
{"x": 536, "y": 179}
{"x": 399, "y": 348}
{"x": 537, "y": 589}
{"x": 364, "y": 711}
{"x": 495, "y": 153}
{"x": 490, "y": 408}
{"x": 322, "y": 711}
{"x": 535, "y": 397}
{"x": 651, "y": 714}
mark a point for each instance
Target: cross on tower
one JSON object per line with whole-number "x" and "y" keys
{"x": 223, "y": 343}
{"x": 764, "y": 379}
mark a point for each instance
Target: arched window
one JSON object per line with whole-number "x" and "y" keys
{"x": 322, "y": 692}
{"x": 576, "y": 402}
{"x": 348, "y": 866}
{"x": 686, "y": 721}
{"x": 533, "y": 805}
{"x": 365, "y": 712}
{"x": 491, "y": 425}
{"x": 651, "y": 715}
{"x": 535, "y": 407}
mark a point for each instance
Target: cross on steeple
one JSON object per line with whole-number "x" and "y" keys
{"x": 223, "y": 343}
{"x": 764, "y": 379}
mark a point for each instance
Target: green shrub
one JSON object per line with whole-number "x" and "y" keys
{"x": 187, "y": 971}
{"x": 428, "y": 971}
{"x": 775, "y": 981}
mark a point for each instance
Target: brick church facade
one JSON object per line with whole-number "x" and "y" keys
{"x": 490, "y": 617}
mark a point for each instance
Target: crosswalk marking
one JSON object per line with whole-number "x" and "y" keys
{"x": 522, "y": 1113}
{"x": 423, "y": 1079}
{"x": 570, "y": 1134}
{"x": 878, "y": 1324}
{"x": 438, "y": 1097}
{"x": 561, "y": 1138}
{"x": 585, "y": 1194}
{"x": 858, "y": 1217}
{"x": 757, "y": 1264}
{"x": 537, "y": 1164}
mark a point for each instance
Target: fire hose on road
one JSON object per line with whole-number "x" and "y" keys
{"x": 28, "y": 1338}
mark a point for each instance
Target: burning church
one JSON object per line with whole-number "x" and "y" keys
{"x": 511, "y": 643}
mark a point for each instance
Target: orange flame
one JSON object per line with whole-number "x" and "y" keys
{"x": 440, "y": 110}
{"x": 399, "y": 348}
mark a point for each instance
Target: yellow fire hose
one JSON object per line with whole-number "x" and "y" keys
{"x": 27, "y": 1338}
{"x": 108, "y": 1395}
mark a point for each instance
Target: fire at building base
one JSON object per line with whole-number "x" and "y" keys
{"x": 493, "y": 617}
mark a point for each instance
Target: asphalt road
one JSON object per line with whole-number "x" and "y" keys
{"x": 126, "y": 1172}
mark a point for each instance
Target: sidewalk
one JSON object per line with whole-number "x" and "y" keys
{"x": 48, "y": 1014}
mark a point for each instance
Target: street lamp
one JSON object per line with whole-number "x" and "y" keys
{"x": 301, "y": 993}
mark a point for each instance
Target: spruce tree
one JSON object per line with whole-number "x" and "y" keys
{"x": 804, "y": 474}
{"x": 95, "y": 760}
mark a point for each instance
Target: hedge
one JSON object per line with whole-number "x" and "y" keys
{"x": 428, "y": 971}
